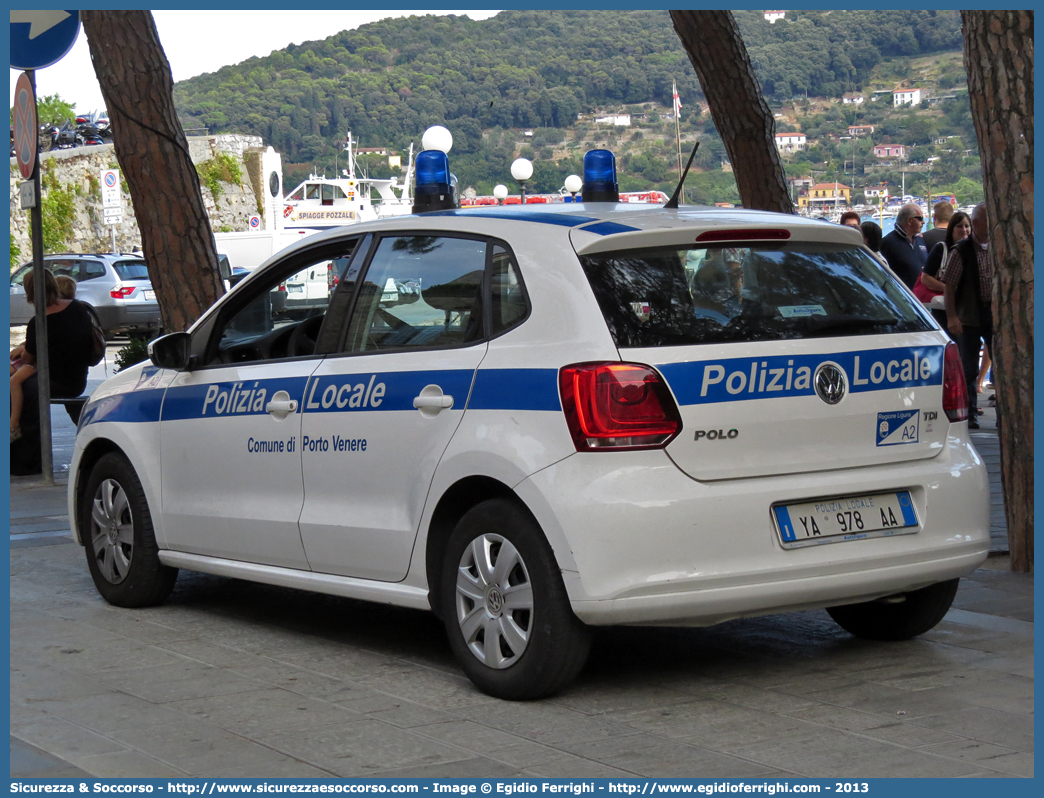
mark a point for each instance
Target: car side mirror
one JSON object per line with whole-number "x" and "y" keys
{"x": 173, "y": 351}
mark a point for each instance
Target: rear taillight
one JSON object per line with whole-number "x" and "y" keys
{"x": 121, "y": 292}
{"x": 617, "y": 406}
{"x": 955, "y": 390}
{"x": 282, "y": 287}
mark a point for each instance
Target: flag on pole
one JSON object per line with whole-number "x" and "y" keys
{"x": 677, "y": 99}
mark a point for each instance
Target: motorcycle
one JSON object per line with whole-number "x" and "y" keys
{"x": 87, "y": 133}
{"x": 105, "y": 130}
{"x": 65, "y": 136}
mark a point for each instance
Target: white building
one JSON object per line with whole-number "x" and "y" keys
{"x": 620, "y": 120}
{"x": 772, "y": 16}
{"x": 852, "y": 99}
{"x": 790, "y": 142}
{"x": 906, "y": 97}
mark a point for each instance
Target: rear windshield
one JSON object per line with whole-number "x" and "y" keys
{"x": 131, "y": 270}
{"x": 763, "y": 292}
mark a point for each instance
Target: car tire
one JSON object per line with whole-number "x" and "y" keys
{"x": 510, "y": 627}
{"x": 897, "y": 617}
{"x": 116, "y": 528}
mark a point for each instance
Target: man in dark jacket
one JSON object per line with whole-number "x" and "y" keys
{"x": 903, "y": 248}
{"x": 941, "y": 215}
{"x": 969, "y": 302}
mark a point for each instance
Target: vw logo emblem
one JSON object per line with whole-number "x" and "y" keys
{"x": 494, "y": 601}
{"x": 830, "y": 383}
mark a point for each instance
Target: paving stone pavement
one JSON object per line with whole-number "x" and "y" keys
{"x": 232, "y": 679}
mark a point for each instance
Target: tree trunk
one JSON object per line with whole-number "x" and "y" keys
{"x": 154, "y": 158}
{"x": 998, "y": 56}
{"x": 712, "y": 40}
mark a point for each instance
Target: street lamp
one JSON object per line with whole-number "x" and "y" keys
{"x": 438, "y": 138}
{"x": 522, "y": 170}
{"x": 844, "y": 161}
{"x": 500, "y": 192}
{"x": 573, "y": 184}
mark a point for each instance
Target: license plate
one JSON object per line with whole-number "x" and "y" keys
{"x": 846, "y": 518}
{"x": 295, "y": 289}
{"x": 149, "y": 295}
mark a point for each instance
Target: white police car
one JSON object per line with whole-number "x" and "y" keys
{"x": 532, "y": 421}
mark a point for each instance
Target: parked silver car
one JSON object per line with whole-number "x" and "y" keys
{"x": 115, "y": 288}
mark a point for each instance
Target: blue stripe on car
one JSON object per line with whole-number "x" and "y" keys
{"x": 777, "y": 376}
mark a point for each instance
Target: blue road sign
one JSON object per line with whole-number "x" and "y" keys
{"x": 40, "y": 38}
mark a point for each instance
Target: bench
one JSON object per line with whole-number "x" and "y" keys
{"x": 73, "y": 405}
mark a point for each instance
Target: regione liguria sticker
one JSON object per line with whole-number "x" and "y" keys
{"x": 899, "y": 426}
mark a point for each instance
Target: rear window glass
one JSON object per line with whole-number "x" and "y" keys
{"x": 762, "y": 292}
{"x": 131, "y": 270}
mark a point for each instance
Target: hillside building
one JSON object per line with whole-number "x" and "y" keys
{"x": 906, "y": 97}
{"x": 826, "y": 194}
{"x": 620, "y": 120}
{"x": 791, "y": 142}
{"x": 857, "y": 131}
{"x": 890, "y": 151}
{"x": 772, "y": 16}
{"x": 852, "y": 98}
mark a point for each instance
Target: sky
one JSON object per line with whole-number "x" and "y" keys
{"x": 204, "y": 41}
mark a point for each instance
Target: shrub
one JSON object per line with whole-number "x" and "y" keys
{"x": 134, "y": 352}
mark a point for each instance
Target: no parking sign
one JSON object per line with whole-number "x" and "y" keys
{"x": 255, "y": 222}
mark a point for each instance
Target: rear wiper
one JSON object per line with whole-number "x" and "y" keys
{"x": 848, "y": 321}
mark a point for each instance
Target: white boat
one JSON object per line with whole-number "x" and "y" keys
{"x": 321, "y": 202}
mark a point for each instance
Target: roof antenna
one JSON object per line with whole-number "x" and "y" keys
{"x": 673, "y": 201}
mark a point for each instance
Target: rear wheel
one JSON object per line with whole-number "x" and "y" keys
{"x": 506, "y": 611}
{"x": 897, "y": 617}
{"x": 116, "y": 527}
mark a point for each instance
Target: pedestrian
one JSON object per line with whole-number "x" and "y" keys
{"x": 872, "y": 238}
{"x": 941, "y": 215}
{"x": 929, "y": 284}
{"x": 66, "y": 286}
{"x": 850, "y": 219}
{"x": 968, "y": 281}
{"x": 70, "y": 346}
{"x": 904, "y": 248}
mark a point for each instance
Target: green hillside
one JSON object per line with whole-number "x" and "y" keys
{"x": 490, "y": 80}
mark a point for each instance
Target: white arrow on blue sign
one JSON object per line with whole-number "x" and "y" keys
{"x": 42, "y": 37}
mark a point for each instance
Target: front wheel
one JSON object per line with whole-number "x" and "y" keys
{"x": 506, "y": 611}
{"x": 897, "y": 617}
{"x": 116, "y": 527}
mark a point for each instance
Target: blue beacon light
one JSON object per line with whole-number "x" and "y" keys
{"x": 434, "y": 189}
{"x": 600, "y": 177}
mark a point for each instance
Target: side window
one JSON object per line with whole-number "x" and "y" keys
{"x": 420, "y": 291}
{"x": 19, "y": 276}
{"x": 284, "y": 316}
{"x": 64, "y": 266}
{"x": 508, "y": 300}
{"x": 92, "y": 269}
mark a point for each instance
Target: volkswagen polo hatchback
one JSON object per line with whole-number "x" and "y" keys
{"x": 532, "y": 422}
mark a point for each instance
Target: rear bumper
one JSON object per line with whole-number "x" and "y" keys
{"x": 129, "y": 316}
{"x": 653, "y": 546}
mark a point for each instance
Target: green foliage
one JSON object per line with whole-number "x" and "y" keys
{"x": 134, "y": 352}
{"x": 53, "y": 111}
{"x": 536, "y": 70}
{"x": 57, "y": 212}
{"x": 222, "y": 168}
{"x": 16, "y": 254}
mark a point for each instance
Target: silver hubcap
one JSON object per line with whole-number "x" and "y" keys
{"x": 112, "y": 531}
{"x": 494, "y": 601}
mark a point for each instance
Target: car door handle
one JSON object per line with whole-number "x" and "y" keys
{"x": 281, "y": 405}
{"x": 441, "y": 402}
{"x": 432, "y": 401}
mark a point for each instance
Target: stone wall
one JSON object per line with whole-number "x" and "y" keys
{"x": 78, "y": 170}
